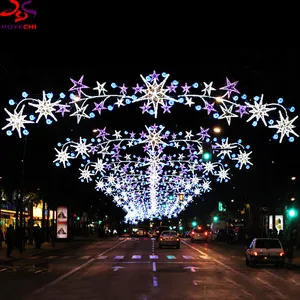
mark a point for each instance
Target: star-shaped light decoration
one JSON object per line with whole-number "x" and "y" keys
{"x": 80, "y": 112}
{"x": 16, "y": 120}
{"x": 45, "y": 107}
{"x": 285, "y": 126}
{"x": 230, "y": 87}
{"x": 227, "y": 113}
{"x": 78, "y": 86}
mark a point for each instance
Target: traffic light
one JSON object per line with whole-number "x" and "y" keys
{"x": 215, "y": 218}
{"x": 194, "y": 223}
{"x": 180, "y": 228}
{"x": 164, "y": 205}
{"x": 78, "y": 218}
{"x": 181, "y": 197}
{"x": 292, "y": 212}
{"x": 171, "y": 197}
{"x": 206, "y": 152}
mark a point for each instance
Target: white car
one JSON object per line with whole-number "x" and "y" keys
{"x": 265, "y": 251}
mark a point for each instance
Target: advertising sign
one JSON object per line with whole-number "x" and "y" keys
{"x": 279, "y": 222}
{"x": 62, "y": 222}
{"x": 271, "y": 222}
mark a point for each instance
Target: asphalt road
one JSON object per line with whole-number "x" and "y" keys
{"x": 137, "y": 269}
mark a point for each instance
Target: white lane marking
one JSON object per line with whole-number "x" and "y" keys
{"x": 271, "y": 286}
{"x": 204, "y": 256}
{"x": 62, "y": 277}
{"x": 136, "y": 256}
{"x": 154, "y": 266}
{"x": 193, "y": 269}
{"x": 153, "y": 256}
{"x": 84, "y": 257}
{"x": 187, "y": 257}
{"x": 101, "y": 257}
{"x": 195, "y": 282}
{"x": 240, "y": 287}
{"x": 275, "y": 276}
{"x": 295, "y": 282}
{"x": 233, "y": 270}
{"x": 51, "y": 257}
{"x": 66, "y": 257}
{"x": 119, "y": 257}
{"x": 155, "y": 283}
{"x": 116, "y": 268}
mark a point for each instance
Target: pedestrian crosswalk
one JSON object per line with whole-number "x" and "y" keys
{"x": 136, "y": 257}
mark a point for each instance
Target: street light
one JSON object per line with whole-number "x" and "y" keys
{"x": 217, "y": 129}
{"x": 293, "y": 178}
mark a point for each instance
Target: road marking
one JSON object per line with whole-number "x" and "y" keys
{"x": 275, "y": 276}
{"x": 3, "y": 269}
{"x": 193, "y": 269}
{"x": 153, "y": 256}
{"x": 116, "y": 268}
{"x": 136, "y": 256}
{"x": 238, "y": 286}
{"x": 101, "y": 257}
{"x": 119, "y": 257}
{"x": 84, "y": 257}
{"x": 51, "y": 257}
{"x": 204, "y": 256}
{"x": 154, "y": 266}
{"x": 155, "y": 283}
{"x": 271, "y": 286}
{"x": 171, "y": 257}
{"x": 34, "y": 257}
{"x": 187, "y": 257}
{"x": 39, "y": 271}
{"x": 295, "y": 282}
{"x": 59, "y": 279}
{"x": 196, "y": 282}
{"x": 66, "y": 257}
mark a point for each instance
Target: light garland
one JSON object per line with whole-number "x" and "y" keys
{"x": 146, "y": 172}
{"x": 154, "y": 93}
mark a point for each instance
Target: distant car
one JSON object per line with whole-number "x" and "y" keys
{"x": 200, "y": 234}
{"x": 169, "y": 238}
{"x": 265, "y": 251}
{"x": 159, "y": 230}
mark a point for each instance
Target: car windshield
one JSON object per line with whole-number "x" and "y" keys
{"x": 267, "y": 244}
{"x": 169, "y": 233}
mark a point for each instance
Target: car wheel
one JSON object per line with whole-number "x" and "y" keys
{"x": 192, "y": 241}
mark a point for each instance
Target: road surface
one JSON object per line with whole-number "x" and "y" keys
{"x": 136, "y": 269}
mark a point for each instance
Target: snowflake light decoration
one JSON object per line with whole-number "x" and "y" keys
{"x": 155, "y": 92}
{"x": 141, "y": 172}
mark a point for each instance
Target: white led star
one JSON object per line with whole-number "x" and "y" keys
{"x": 259, "y": 110}
{"x": 45, "y": 108}
{"x": 243, "y": 158}
{"x": 227, "y": 113}
{"x": 208, "y": 88}
{"x": 16, "y": 120}
{"x": 100, "y": 88}
{"x": 81, "y": 148}
{"x": 223, "y": 174}
{"x": 85, "y": 174}
{"x": 285, "y": 126}
{"x": 80, "y": 112}
{"x": 63, "y": 156}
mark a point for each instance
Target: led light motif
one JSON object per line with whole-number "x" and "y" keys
{"x": 155, "y": 92}
{"x": 146, "y": 172}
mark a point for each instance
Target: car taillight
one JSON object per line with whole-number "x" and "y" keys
{"x": 281, "y": 253}
{"x": 254, "y": 253}
{"x": 157, "y": 231}
{"x": 193, "y": 232}
{"x": 205, "y": 233}
{"x": 177, "y": 240}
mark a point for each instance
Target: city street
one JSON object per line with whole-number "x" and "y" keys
{"x": 135, "y": 268}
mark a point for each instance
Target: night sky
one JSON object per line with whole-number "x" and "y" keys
{"x": 267, "y": 71}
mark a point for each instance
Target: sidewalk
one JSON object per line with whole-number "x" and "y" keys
{"x": 46, "y": 247}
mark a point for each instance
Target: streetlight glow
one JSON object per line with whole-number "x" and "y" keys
{"x": 293, "y": 178}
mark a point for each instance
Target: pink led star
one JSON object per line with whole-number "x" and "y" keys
{"x": 209, "y": 107}
{"x": 78, "y": 85}
{"x": 230, "y": 87}
{"x": 63, "y": 108}
{"x": 99, "y": 107}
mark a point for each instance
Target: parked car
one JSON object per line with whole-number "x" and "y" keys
{"x": 265, "y": 251}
